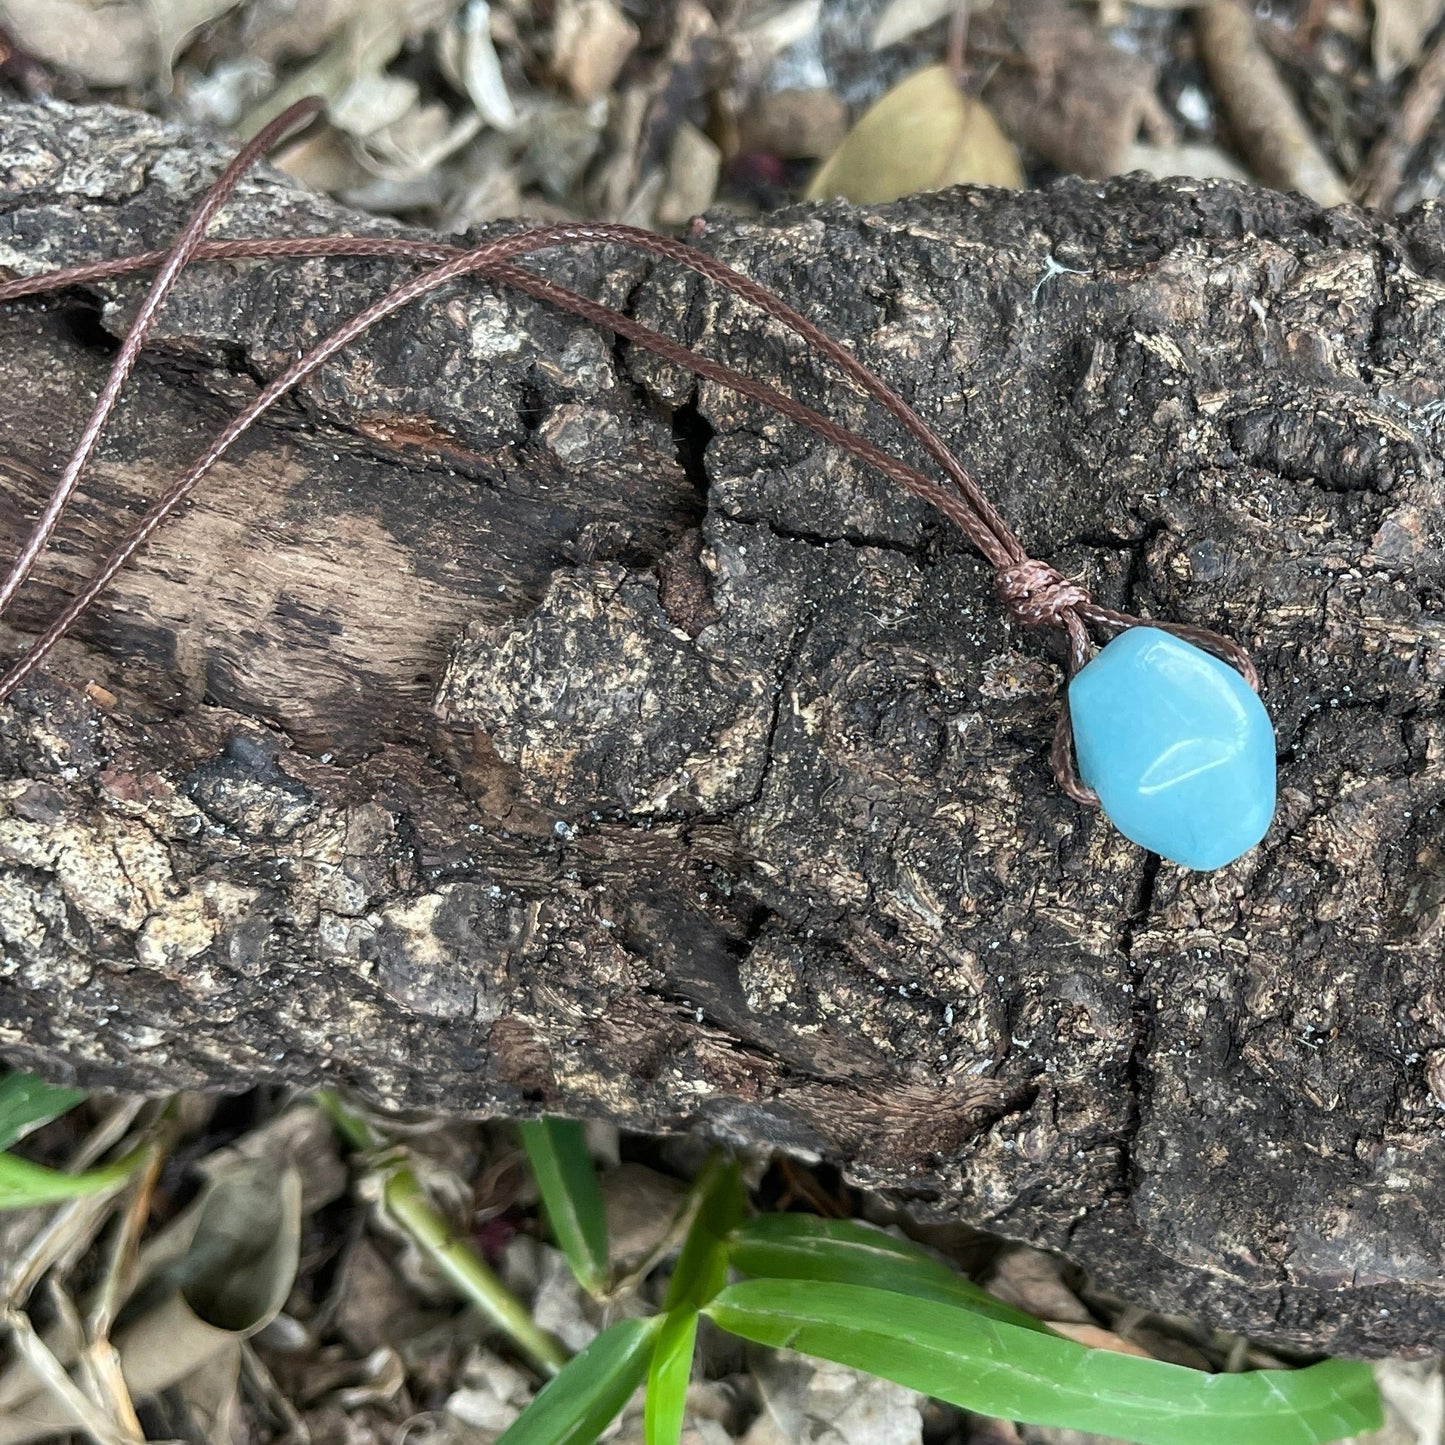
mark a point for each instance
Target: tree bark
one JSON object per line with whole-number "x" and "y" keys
{"x": 512, "y": 726}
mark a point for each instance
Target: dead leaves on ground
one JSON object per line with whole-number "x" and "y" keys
{"x": 926, "y": 133}
{"x": 452, "y": 113}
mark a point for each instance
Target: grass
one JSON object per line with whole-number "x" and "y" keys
{"x": 838, "y": 1290}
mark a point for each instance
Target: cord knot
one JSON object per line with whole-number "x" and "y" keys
{"x": 1038, "y": 595}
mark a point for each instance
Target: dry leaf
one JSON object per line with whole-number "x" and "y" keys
{"x": 366, "y": 45}
{"x": 1399, "y": 33}
{"x": 481, "y": 70}
{"x": 484, "y": 185}
{"x": 105, "y": 43}
{"x": 902, "y": 18}
{"x": 810, "y": 1402}
{"x": 492, "y": 1395}
{"x": 1203, "y": 162}
{"x": 644, "y": 114}
{"x": 1414, "y": 1393}
{"x": 693, "y": 164}
{"x": 1077, "y": 100}
{"x": 642, "y": 1207}
{"x": 591, "y": 42}
{"x": 373, "y": 101}
{"x": 276, "y": 30}
{"x": 220, "y": 1273}
{"x": 778, "y": 29}
{"x": 794, "y": 124}
{"x": 412, "y": 147}
{"x": 1033, "y": 1281}
{"x": 221, "y": 96}
{"x": 923, "y": 135}
{"x": 324, "y": 161}
{"x": 1097, "y": 1338}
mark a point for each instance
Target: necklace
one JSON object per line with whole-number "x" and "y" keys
{"x": 1162, "y": 727}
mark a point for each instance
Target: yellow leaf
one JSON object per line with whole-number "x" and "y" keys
{"x": 923, "y": 135}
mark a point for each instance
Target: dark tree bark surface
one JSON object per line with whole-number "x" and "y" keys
{"x": 510, "y": 726}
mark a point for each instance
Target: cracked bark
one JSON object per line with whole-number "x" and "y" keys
{"x": 510, "y": 726}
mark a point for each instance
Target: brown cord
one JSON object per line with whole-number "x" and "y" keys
{"x": 125, "y": 359}
{"x": 1035, "y": 594}
{"x": 971, "y": 511}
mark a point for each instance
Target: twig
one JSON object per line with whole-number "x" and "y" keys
{"x": 1378, "y": 183}
{"x": 68, "y": 1399}
{"x": 1268, "y": 126}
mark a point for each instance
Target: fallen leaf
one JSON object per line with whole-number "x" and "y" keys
{"x": 221, "y": 96}
{"x": 494, "y": 1393}
{"x": 1399, "y": 33}
{"x": 1076, "y": 100}
{"x": 1033, "y": 1281}
{"x": 795, "y": 124}
{"x": 1096, "y": 1338}
{"x": 777, "y": 30}
{"x": 221, "y": 1270}
{"x": 810, "y": 1402}
{"x": 104, "y": 43}
{"x": 901, "y": 18}
{"x": 591, "y": 42}
{"x": 413, "y": 146}
{"x": 365, "y": 45}
{"x": 481, "y": 70}
{"x": 924, "y": 134}
{"x": 277, "y": 30}
{"x": 693, "y": 164}
{"x": 372, "y": 101}
{"x": 1414, "y": 1392}
{"x": 1203, "y": 162}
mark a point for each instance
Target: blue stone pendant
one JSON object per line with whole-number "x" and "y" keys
{"x": 1178, "y": 747}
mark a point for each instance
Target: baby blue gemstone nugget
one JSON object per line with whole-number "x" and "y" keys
{"x": 1178, "y": 747}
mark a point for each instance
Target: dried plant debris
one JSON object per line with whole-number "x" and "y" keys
{"x": 900, "y": 20}
{"x": 1063, "y": 90}
{"x": 811, "y": 1402}
{"x": 107, "y": 43}
{"x": 1399, "y": 33}
{"x": 1414, "y": 1392}
{"x": 457, "y": 112}
{"x": 1205, "y": 162}
{"x": 294, "y": 1295}
{"x": 277, "y": 31}
{"x": 798, "y": 123}
{"x": 453, "y": 113}
{"x": 1271, "y": 133}
{"x": 325, "y": 1323}
{"x": 591, "y": 41}
{"x": 217, "y": 1274}
{"x": 926, "y": 133}
{"x": 1380, "y": 180}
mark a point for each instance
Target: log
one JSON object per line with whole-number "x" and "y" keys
{"x": 512, "y": 725}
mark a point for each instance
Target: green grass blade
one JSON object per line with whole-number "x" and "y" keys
{"x": 669, "y": 1375}
{"x": 580, "y": 1403}
{"x": 571, "y": 1197}
{"x": 410, "y": 1209}
{"x": 994, "y": 1368}
{"x": 27, "y": 1102}
{"x": 24, "y": 1185}
{"x": 702, "y": 1266}
{"x": 843, "y": 1251}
